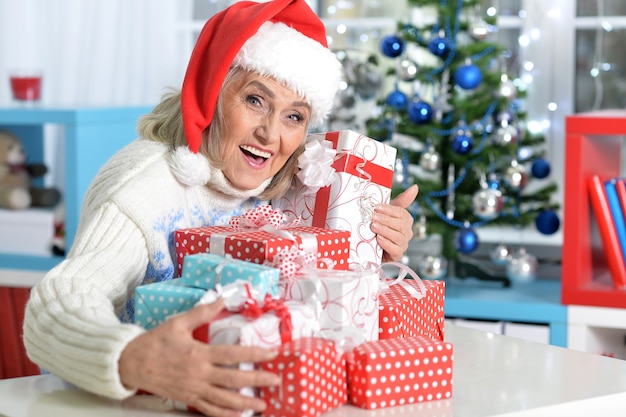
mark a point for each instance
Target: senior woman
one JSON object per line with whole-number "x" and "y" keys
{"x": 259, "y": 77}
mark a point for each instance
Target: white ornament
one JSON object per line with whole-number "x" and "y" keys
{"x": 433, "y": 267}
{"x": 430, "y": 160}
{"x": 488, "y": 203}
{"x": 500, "y": 254}
{"x": 522, "y": 267}
{"x": 516, "y": 176}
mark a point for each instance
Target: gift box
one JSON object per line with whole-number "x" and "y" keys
{"x": 267, "y": 326}
{"x": 206, "y": 270}
{"x": 260, "y": 243}
{"x": 364, "y": 178}
{"x": 392, "y": 372}
{"x": 313, "y": 376}
{"x": 344, "y": 299}
{"x": 155, "y": 302}
{"x": 412, "y": 307}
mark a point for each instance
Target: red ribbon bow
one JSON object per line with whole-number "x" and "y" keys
{"x": 251, "y": 309}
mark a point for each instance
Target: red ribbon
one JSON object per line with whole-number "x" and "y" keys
{"x": 16, "y": 168}
{"x": 252, "y": 310}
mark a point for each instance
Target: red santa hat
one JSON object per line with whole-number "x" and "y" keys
{"x": 283, "y": 39}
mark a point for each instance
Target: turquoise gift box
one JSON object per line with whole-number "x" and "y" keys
{"x": 155, "y": 302}
{"x": 205, "y": 270}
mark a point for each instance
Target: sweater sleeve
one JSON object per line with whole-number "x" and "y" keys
{"x": 71, "y": 325}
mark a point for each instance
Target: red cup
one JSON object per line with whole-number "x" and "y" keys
{"x": 26, "y": 87}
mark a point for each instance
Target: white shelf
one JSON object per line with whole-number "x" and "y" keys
{"x": 599, "y": 330}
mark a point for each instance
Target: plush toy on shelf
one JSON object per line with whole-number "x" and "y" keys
{"x": 16, "y": 189}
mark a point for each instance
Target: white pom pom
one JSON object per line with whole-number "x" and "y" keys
{"x": 188, "y": 167}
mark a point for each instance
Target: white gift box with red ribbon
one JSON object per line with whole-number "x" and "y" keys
{"x": 364, "y": 174}
{"x": 344, "y": 300}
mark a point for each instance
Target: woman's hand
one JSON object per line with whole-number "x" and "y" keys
{"x": 393, "y": 225}
{"x": 168, "y": 362}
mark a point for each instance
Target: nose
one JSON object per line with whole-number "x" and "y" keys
{"x": 269, "y": 128}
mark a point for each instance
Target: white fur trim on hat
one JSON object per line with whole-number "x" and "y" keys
{"x": 188, "y": 167}
{"x": 300, "y": 62}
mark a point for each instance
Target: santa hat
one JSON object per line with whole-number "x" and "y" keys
{"x": 283, "y": 39}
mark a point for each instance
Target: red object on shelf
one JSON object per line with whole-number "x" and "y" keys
{"x": 593, "y": 146}
{"x": 13, "y": 360}
{"x": 26, "y": 87}
{"x": 608, "y": 231}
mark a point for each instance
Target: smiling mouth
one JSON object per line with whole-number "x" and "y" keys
{"x": 257, "y": 155}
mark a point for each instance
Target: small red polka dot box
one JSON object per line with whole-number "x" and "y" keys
{"x": 313, "y": 376}
{"x": 364, "y": 174}
{"x": 393, "y": 372}
{"x": 261, "y": 241}
{"x": 412, "y": 307}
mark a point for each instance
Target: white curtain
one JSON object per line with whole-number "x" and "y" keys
{"x": 93, "y": 52}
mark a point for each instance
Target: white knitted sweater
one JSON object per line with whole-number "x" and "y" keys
{"x": 74, "y": 323}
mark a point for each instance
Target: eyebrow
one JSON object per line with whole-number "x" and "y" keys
{"x": 271, "y": 94}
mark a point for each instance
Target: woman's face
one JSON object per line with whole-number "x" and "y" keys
{"x": 264, "y": 123}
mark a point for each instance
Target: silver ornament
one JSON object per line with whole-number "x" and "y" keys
{"x": 407, "y": 70}
{"x": 488, "y": 203}
{"x": 516, "y": 176}
{"x": 430, "y": 160}
{"x": 399, "y": 173}
{"x": 522, "y": 267}
{"x": 500, "y": 254}
{"x": 433, "y": 267}
{"x": 506, "y": 134}
{"x": 479, "y": 30}
{"x": 419, "y": 229}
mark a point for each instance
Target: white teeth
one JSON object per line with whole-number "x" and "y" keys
{"x": 256, "y": 152}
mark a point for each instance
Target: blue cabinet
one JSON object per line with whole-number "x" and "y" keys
{"x": 536, "y": 302}
{"x": 91, "y": 135}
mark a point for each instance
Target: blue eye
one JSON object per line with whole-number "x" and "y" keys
{"x": 253, "y": 99}
{"x": 297, "y": 117}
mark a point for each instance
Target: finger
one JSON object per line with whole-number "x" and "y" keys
{"x": 405, "y": 198}
{"x": 225, "y": 403}
{"x": 228, "y": 355}
{"x": 238, "y": 378}
{"x": 199, "y": 315}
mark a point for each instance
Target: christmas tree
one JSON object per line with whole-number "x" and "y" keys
{"x": 456, "y": 115}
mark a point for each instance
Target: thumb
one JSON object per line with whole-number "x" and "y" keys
{"x": 201, "y": 314}
{"x": 405, "y": 198}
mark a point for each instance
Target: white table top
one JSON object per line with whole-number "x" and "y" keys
{"x": 493, "y": 375}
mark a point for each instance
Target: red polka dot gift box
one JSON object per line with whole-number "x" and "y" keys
{"x": 412, "y": 307}
{"x": 363, "y": 178}
{"x": 313, "y": 373}
{"x": 393, "y": 372}
{"x": 261, "y": 241}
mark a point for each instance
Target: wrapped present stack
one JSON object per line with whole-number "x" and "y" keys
{"x": 314, "y": 293}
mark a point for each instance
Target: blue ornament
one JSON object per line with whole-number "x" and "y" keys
{"x": 547, "y": 222}
{"x": 397, "y": 100}
{"x": 420, "y": 112}
{"x": 466, "y": 240}
{"x": 392, "y": 46}
{"x": 540, "y": 168}
{"x": 462, "y": 143}
{"x": 468, "y": 77}
{"x": 439, "y": 46}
